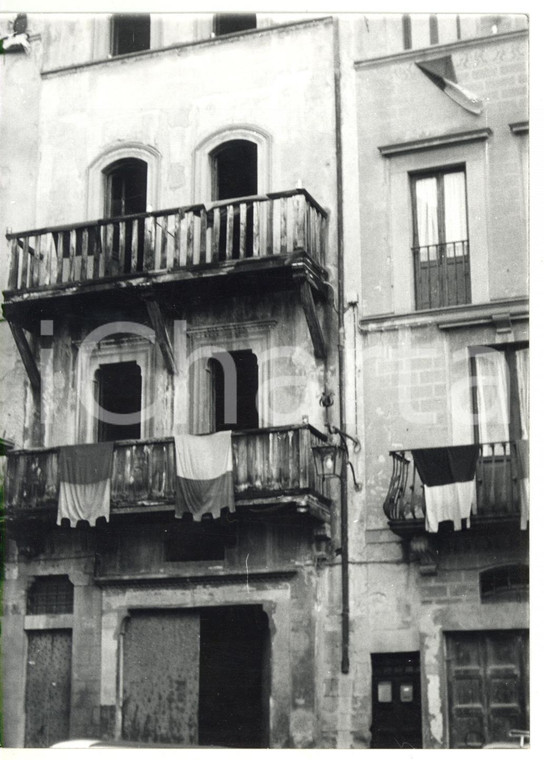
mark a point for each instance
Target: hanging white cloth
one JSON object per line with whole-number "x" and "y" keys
{"x": 493, "y": 396}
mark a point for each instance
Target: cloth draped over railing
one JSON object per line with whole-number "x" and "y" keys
{"x": 204, "y": 480}
{"x": 85, "y": 482}
{"x": 448, "y": 477}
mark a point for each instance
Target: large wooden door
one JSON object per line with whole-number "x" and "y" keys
{"x": 160, "y": 677}
{"x": 196, "y": 677}
{"x": 488, "y": 686}
{"x": 48, "y": 677}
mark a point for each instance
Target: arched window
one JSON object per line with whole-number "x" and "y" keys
{"x": 234, "y": 169}
{"x": 124, "y": 177}
{"x": 126, "y": 187}
{"x": 244, "y": 150}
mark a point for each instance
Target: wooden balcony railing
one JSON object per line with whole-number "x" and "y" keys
{"x": 498, "y": 487}
{"x": 270, "y": 464}
{"x": 170, "y": 240}
{"x": 442, "y": 274}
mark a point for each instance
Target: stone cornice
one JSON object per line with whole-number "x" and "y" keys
{"x": 438, "y": 141}
{"x": 469, "y": 315}
{"x": 438, "y": 50}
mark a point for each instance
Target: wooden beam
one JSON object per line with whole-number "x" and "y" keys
{"x": 26, "y": 355}
{"x": 310, "y": 312}
{"x": 157, "y": 320}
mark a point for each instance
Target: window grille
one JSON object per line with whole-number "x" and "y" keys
{"x": 51, "y": 594}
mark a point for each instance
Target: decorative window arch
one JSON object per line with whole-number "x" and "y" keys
{"x": 96, "y": 181}
{"x": 205, "y": 150}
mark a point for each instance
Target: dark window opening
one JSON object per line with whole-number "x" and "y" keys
{"x": 119, "y": 391}
{"x": 229, "y": 23}
{"x": 440, "y": 238}
{"x": 51, "y": 594}
{"x": 195, "y": 543}
{"x": 126, "y": 187}
{"x": 406, "y": 32}
{"x": 506, "y": 583}
{"x": 396, "y": 701}
{"x": 235, "y": 401}
{"x": 433, "y": 29}
{"x": 234, "y": 167}
{"x": 126, "y": 194}
{"x": 131, "y": 32}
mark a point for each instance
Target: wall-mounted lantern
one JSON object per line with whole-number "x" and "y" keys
{"x": 330, "y": 458}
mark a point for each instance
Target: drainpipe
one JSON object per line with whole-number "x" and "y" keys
{"x": 341, "y": 345}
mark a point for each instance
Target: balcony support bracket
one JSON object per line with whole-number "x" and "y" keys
{"x": 157, "y": 320}
{"x": 314, "y": 326}
{"x": 423, "y": 549}
{"x": 26, "y": 354}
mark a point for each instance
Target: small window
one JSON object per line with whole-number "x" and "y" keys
{"x": 433, "y": 29}
{"x": 440, "y": 239}
{"x": 230, "y": 23}
{"x": 235, "y": 393}
{"x": 385, "y": 691}
{"x": 50, "y": 594}
{"x": 507, "y": 583}
{"x": 406, "y": 32}
{"x": 131, "y": 33}
{"x": 119, "y": 394}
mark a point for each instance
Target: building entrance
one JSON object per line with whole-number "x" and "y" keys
{"x": 197, "y": 677}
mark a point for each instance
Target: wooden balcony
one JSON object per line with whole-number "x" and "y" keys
{"x": 272, "y": 466}
{"x": 498, "y": 489}
{"x": 246, "y": 233}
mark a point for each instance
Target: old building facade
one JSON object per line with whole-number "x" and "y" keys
{"x": 244, "y": 223}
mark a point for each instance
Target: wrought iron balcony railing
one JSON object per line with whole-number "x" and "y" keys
{"x": 498, "y": 484}
{"x": 170, "y": 240}
{"x": 442, "y": 274}
{"x": 271, "y": 466}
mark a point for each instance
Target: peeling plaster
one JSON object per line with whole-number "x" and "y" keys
{"x": 436, "y": 723}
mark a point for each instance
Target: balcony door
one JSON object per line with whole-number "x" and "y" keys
{"x": 234, "y": 175}
{"x": 235, "y": 384}
{"x": 126, "y": 194}
{"x": 440, "y": 232}
{"x": 119, "y": 392}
